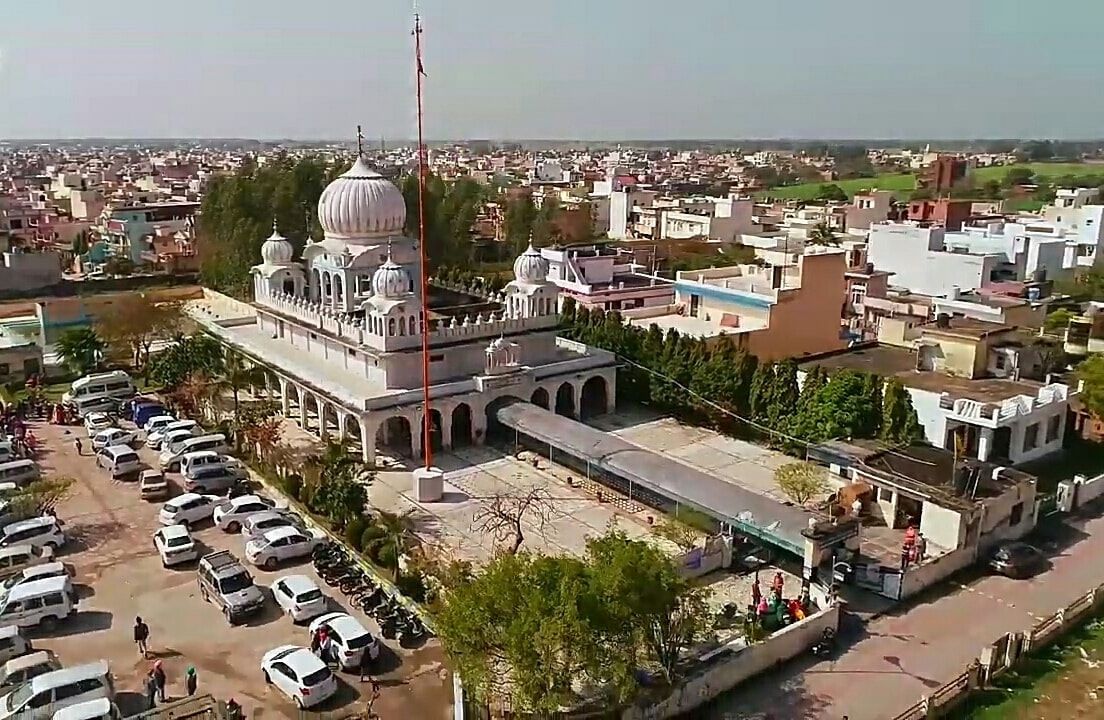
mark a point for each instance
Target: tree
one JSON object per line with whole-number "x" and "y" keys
{"x": 1018, "y": 176}
{"x": 801, "y": 481}
{"x": 841, "y": 409}
{"x": 520, "y": 215}
{"x": 1091, "y": 371}
{"x": 133, "y": 326}
{"x": 821, "y": 234}
{"x": 39, "y": 497}
{"x": 1051, "y": 358}
{"x": 900, "y": 424}
{"x": 340, "y": 479}
{"x": 783, "y": 394}
{"x": 762, "y": 385}
{"x": 193, "y": 395}
{"x": 196, "y": 355}
{"x": 237, "y": 375}
{"x": 643, "y": 602}
{"x": 505, "y": 516}
{"x": 1057, "y": 321}
{"x": 80, "y": 349}
{"x": 260, "y": 426}
{"x": 831, "y": 192}
{"x": 389, "y": 537}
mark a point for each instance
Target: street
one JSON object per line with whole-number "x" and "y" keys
{"x": 886, "y": 666}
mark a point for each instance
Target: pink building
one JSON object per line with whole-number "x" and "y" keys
{"x": 598, "y": 276}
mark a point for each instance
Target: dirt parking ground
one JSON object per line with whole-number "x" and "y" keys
{"x": 120, "y": 576}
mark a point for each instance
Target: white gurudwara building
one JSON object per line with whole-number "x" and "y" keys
{"x": 338, "y": 333}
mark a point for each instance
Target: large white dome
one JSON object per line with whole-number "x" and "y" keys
{"x": 276, "y": 250}
{"x": 391, "y": 281}
{"x": 530, "y": 267}
{"x": 361, "y": 204}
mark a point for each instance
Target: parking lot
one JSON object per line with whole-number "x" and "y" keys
{"x": 119, "y": 577}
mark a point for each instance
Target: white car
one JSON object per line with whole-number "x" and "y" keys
{"x": 254, "y": 526}
{"x": 176, "y": 430}
{"x": 299, "y": 674}
{"x": 230, "y": 513}
{"x": 157, "y": 423}
{"x": 281, "y": 544}
{"x": 188, "y": 509}
{"x": 175, "y": 545}
{"x": 112, "y": 436}
{"x": 350, "y": 639}
{"x": 96, "y": 421}
{"x": 39, "y": 531}
{"x": 299, "y": 597}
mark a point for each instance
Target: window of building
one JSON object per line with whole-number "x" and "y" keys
{"x": 1016, "y": 515}
{"x": 5, "y": 369}
{"x": 352, "y": 353}
{"x": 885, "y": 495}
{"x": 314, "y": 336}
{"x": 1053, "y": 428}
{"x": 1000, "y": 362}
{"x": 1031, "y": 437}
{"x": 436, "y": 358}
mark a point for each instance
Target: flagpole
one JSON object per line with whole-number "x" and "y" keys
{"x": 427, "y": 422}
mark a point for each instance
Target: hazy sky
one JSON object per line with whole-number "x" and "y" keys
{"x": 596, "y": 69}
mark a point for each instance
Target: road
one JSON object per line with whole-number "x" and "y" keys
{"x": 896, "y": 658}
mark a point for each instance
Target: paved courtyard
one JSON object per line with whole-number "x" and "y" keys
{"x": 740, "y": 463}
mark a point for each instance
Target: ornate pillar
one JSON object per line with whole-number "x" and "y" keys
{"x": 577, "y": 399}
{"x": 340, "y": 424}
{"x": 416, "y": 436}
{"x": 285, "y": 401}
{"x": 611, "y": 393}
{"x": 367, "y": 442}
{"x": 323, "y": 430}
{"x": 446, "y": 427}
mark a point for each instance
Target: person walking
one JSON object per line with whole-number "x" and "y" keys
{"x": 190, "y": 680}
{"x": 756, "y": 592}
{"x": 906, "y": 553}
{"x": 921, "y": 547}
{"x": 79, "y": 445}
{"x": 161, "y": 680}
{"x": 151, "y": 690}
{"x": 141, "y": 636}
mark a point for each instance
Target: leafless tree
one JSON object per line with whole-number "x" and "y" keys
{"x": 504, "y": 516}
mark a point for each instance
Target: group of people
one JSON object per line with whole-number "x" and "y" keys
{"x": 913, "y": 547}
{"x": 13, "y": 424}
{"x": 772, "y": 609}
{"x": 156, "y": 679}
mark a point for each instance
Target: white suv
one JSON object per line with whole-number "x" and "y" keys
{"x": 39, "y": 531}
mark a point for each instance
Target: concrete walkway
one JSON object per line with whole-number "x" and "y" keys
{"x": 895, "y": 659}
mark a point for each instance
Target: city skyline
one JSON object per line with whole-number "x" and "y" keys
{"x": 497, "y": 70}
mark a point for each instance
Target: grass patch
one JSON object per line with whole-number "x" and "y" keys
{"x": 1053, "y": 683}
{"x": 902, "y": 184}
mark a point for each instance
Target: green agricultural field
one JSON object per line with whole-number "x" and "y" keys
{"x": 980, "y": 175}
{"x": 903, "y": 183}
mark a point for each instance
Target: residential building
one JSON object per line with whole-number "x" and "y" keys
{"x": 1076, "y": 215}
{"x": 789, "y": 308}
{"x": 1085, "y": 333}
{"x": 124, "y": 228}
{"x": 19, "y": 361}
{"x": 942, "y": 173}
{"x": 867, "y": 208}
{"x": 599, "y": 276}
{"x": 949, "y": 213}
{"x": 930, "y": 260}
{"x": 968, "y": 383}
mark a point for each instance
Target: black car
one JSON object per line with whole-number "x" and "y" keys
{"x": 1016, "y": 560}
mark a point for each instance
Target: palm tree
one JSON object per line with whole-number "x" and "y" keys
{"x": 80, "y": 349}
{"x": 389, "y": 537}
{"x": 236, "y": 376}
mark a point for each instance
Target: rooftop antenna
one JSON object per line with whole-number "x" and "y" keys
{"x": 427, "y": 421}
{"x": 360, "y": 142}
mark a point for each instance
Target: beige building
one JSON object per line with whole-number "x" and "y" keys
{"x": 783, "y": 306}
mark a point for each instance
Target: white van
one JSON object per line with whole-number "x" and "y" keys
{"x": 193, "y": 461}
{"x": 39, "y": 602}
{"x": 170, "y": 458}
{"x": 44, "y": 695}
{"x": 20, "y": 472}
{"x": 119, "y": 460}
{"x": 99, "y": 709}
{"x": 173, "y": 432}
{"x": 101, "y": 404}
{"x": 115, "y": 384}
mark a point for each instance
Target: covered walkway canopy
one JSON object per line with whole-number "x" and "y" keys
{"x": 746, "y": 511}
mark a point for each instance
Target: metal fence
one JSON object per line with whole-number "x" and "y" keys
{"x": 1002, "y": 655}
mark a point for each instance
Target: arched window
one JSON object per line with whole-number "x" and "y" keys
{"x": 413, "y": 325}
{"x": 289, "y": 286}
{"x": 339, "y": 290}
{"x": 391, "y": 326}
{"x": 402, "y": 326}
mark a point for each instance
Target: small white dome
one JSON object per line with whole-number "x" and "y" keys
{"x": 530, "y": 267}
{"x": 391, "y": 280}
{"x": 276, "y": 250}
{"x": 361, "y": 204}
